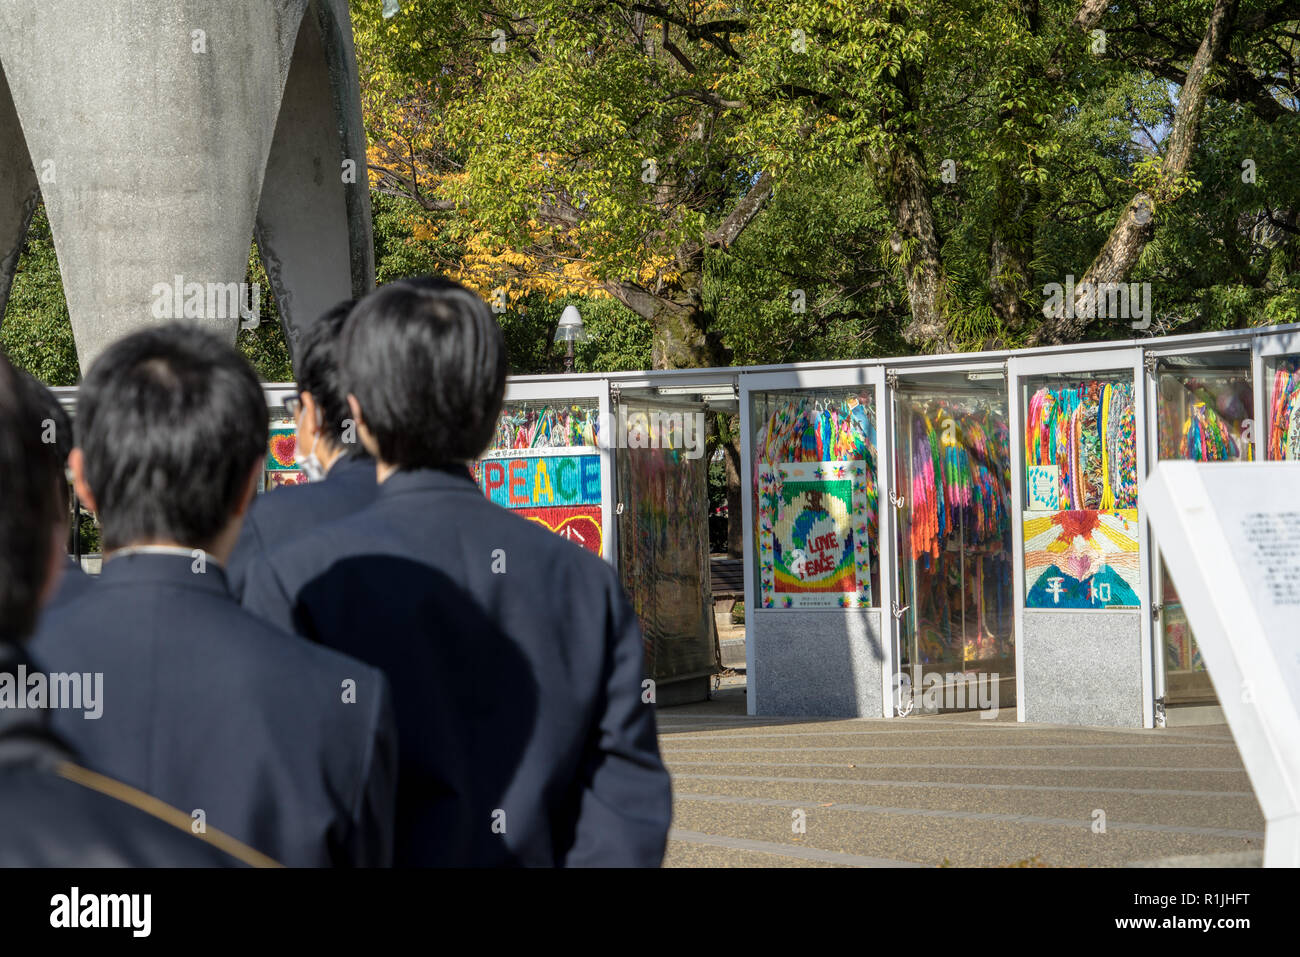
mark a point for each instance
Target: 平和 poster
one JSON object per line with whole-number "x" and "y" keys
{"x": 1081, "y": 558}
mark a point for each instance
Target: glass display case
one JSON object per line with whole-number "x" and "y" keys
{"x": 815, "y": 498}
{"x": 1205, "y": 413}
{"x": 952, "y": 462}
{"x": 1282, "y": 380}
{"x": 1080, "y": 522}
{"x": 661, "y": 471}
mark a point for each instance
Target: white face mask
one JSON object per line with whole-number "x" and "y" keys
{"x": 311, "y": 466}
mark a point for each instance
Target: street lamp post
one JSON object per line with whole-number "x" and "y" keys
{"x": 569, "y": 331}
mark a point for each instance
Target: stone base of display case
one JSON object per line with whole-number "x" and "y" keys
{"x": 817, "y": 663}
{"x": 1193, "y": 715}
{"x": 1082, "y": 667}
{"x": 682, "y": 691}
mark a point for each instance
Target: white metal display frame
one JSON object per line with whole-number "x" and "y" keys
{"x": 1231, "y": 341}
{"x": 863, "y": 374}
{"x": 1269, "y": 344}
{"x": 1119, "y": 358}
{"x": 918, "y": 368}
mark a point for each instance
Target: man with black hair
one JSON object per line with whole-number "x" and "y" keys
{"x": 53, "y": 812}
{"x": 515, "y": 657}
{"x": 56, "y": 440}
{"x": 286, "y": 746}
{"x": 340, "y": 475}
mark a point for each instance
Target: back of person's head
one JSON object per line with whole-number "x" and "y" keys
{"x": 170, "y": 421}
{"x": 56, "y": 426}
{"x": 426, "y": 362}
{"x": 319, "y": 373}
{"x": 30, "y": 511}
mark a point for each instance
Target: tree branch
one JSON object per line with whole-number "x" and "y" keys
{"x": 1135, "y": 227}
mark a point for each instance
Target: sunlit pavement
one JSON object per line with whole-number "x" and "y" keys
{"x": 954, "y": 789}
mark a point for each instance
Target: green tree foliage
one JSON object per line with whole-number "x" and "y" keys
{"x": 921, "y": 172}
{"x": 717, "y": 183}
{"x": 265, "y": 346}
{"x": 36, "y": 333}
{"x": 617, "y": 339}
{"x": 806, "y": 281}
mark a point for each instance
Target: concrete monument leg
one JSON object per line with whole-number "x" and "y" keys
{"x": 18, "y": 191}
{"x": 150, "y": 123}
{"x": 313, "y": 224}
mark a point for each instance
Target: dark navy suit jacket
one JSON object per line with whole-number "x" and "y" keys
{"x": 75, "y": 581}
{"x": 516, "y": 663}
{"x": 285, "y": 513}
{"x": 207, "y": 707}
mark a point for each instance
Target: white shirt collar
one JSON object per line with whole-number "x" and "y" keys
{"x": 160, "y": 550}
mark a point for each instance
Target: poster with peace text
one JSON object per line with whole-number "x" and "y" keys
{"x": 813, "y": 545}
{"x": 1082, "y": 558}
{"x": 558, "y": 489}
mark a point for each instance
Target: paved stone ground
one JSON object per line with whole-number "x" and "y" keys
{"x": 946, "y": 789}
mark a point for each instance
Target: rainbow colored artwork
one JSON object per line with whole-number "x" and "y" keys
{"x": 558, "y": 488}
{"x": 580, "y": 524}
{"x": 282, "y": 449}
{"x": 813, "y": 539}
{"x": 1081, "y": 558}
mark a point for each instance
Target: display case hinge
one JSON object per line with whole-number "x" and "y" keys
{"x": 615, "y": 393}
{"x": 891, "y": 378}
{"x": 896, "y": 500}
{"x": 1160, "y": 715}
{"x": 901, "y": 709}
{"x": 1150, "y": 361}
{"x": 1156, "y": 609}
{"x": 896, "y": 611}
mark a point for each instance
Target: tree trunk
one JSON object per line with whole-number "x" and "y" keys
{"x": 1089, "y": 14}
{"x": 901, "y": 173}
{"x": 1011, "y": 247}
{"x": 735, "y": 499}
{"x": 1129, "y": 237}
{"x": 916, "y": 241}
{"x": 681, "y": 340}
{"x": 1010, "y": 251}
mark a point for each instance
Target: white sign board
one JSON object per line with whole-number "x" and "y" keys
{"x": 1230, "y": 537}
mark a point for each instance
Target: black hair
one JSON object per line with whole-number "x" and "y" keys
{"x": 171, "y": 421}
{"x": 56, "y": 426}
{"x": 30, "y": 479}
{"x": 319, "y": 373}
{"x": 427, "y": 363}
